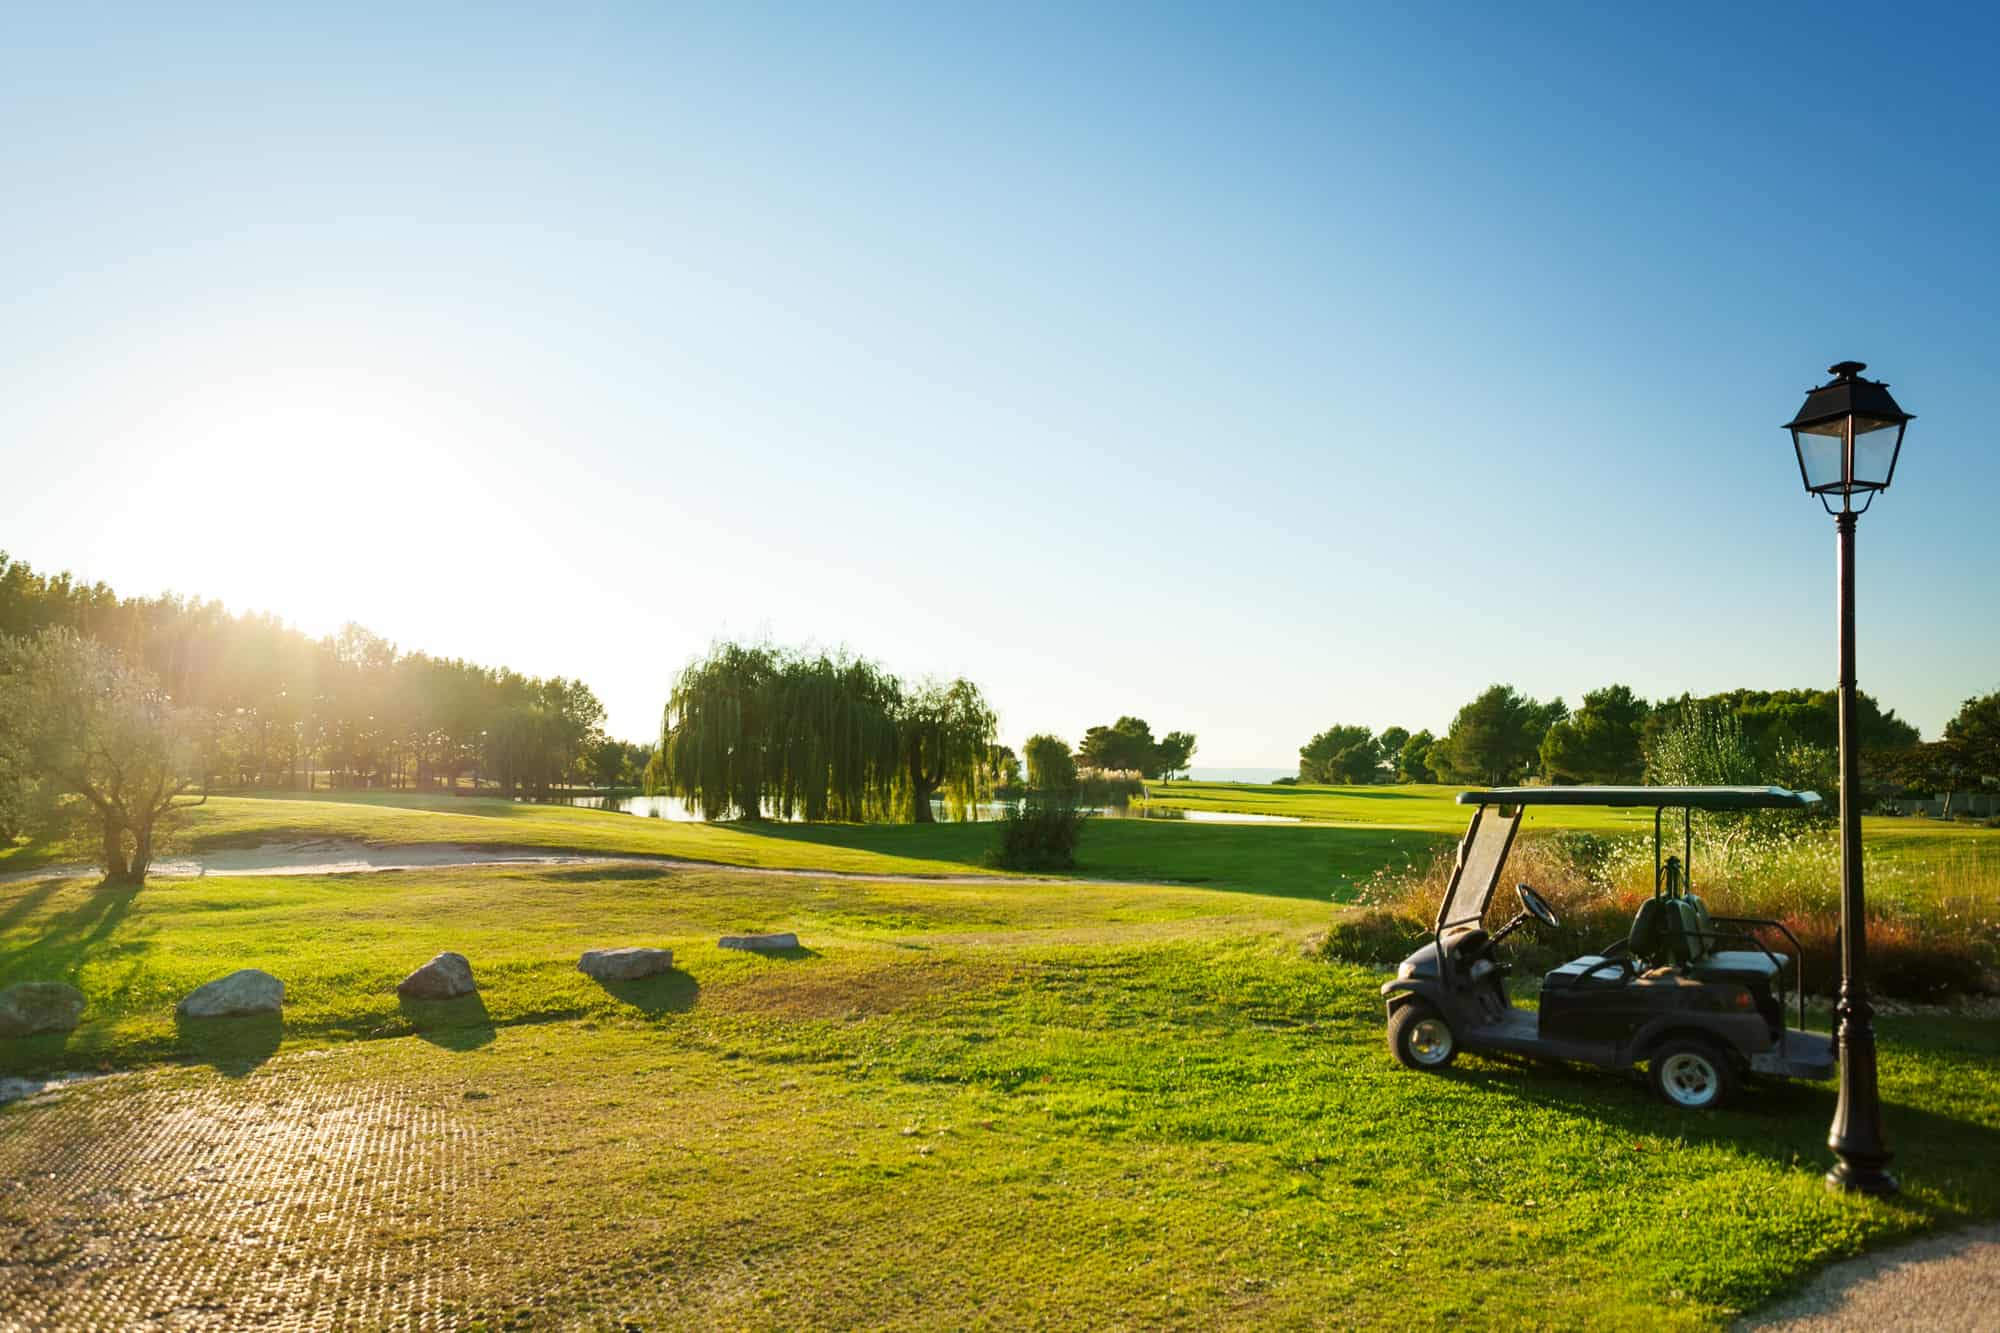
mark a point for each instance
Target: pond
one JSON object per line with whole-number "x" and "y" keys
{"x": 674, "y": 808}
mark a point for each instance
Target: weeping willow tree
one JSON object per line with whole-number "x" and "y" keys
{"x": 946, "y": 733}
{"x": 830, "y": 749}
{"x": 755, "y": 730}
{"x": 715, "y": 732}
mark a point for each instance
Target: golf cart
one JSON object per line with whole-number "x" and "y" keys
{"x": 1700, "y": 1016}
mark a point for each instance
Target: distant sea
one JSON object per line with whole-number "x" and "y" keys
{"x": 1200, "y": 774}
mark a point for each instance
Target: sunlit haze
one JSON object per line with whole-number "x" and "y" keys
{"x": 1247, "y": 373}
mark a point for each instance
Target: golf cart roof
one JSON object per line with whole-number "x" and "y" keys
{"x": 1652, "y": 798}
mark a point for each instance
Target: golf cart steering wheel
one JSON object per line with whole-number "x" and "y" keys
{"x": 1537, "y": 906}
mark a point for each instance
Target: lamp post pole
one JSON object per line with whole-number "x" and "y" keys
{"x": 1848, "y": 437}
{"x": 1856, "y": 1137}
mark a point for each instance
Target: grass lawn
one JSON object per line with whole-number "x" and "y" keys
{"x": 961, "y": 1105}
{"x": 1359, "y": 830}
{"x": 1320, "y": 863}
{"x": 1431, "y": 806}
{"x": 1413, "y": 806}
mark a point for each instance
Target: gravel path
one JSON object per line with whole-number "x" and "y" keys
{"x": 1945, "y": 1283}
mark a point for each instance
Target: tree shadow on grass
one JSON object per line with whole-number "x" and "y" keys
{"x": 457, "y": 1024}
{"x": 962, "y": 843}
{"x": 70, "y": 936}
{"x": 669, "y": 992}
{"x": 31, "y": 899}
{"x": 234, "y": 1046}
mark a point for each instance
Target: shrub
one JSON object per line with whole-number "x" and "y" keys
{"x": 1039, "y": 832}
{"x": 1906, "y": 960}
{"x": 1368, "y": 935}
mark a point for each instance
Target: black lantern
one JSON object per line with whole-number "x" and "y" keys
{"x": 1847, "y": 436}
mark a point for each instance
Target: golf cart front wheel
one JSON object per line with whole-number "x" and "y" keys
{"x": 1692, "y": 1075}
{"x": 1420, "y": 1038}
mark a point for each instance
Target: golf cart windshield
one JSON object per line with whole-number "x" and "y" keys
{"x": 1481, "y": 856}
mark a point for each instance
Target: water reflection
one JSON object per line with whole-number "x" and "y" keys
{"x": 674, "y": 808}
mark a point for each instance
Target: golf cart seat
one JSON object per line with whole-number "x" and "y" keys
{"x": 1648, "y": 940}
{"x": 1737, "y": 965}
{"x": 1691, "y": 939}
{"x": 1589, "y": 972}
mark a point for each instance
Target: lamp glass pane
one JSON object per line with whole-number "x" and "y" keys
{"x": 1820, "y": 454}
{"x": 1874, "y": 450}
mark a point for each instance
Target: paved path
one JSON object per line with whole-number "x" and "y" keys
{"x": 1945, "y": 1283}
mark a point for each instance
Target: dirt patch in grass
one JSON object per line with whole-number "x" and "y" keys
{"x": 796, "y": 988}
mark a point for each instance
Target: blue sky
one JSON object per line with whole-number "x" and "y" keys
{"x": 1246, "y": 368}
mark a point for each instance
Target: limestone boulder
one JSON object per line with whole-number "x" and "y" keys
{"x": 626, "y": 964}
{"x": 30, "y": 1007}
{"x": 444, "y": 977}
{"x": 246, "y": 992}
{"x": 776, "y": 943}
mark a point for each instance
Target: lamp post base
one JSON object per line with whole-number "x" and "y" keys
{"x": 1853, "y": 1178}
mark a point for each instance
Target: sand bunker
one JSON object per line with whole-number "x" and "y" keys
{"x": 345, "y": 856}
{"x": 330, "y": 856}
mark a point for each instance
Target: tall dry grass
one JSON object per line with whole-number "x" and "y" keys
{"x": 1934, "y": 911}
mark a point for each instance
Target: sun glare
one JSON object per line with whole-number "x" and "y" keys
{"x": 316, "y": 484}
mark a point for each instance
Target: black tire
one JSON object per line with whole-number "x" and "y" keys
{"x": 1691, "y": 1074}
{"x": 1419, "y": 1037}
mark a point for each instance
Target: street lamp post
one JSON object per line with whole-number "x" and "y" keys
{"x": 1848, "y": 436}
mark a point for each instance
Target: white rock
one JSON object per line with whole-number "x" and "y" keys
{"x": 760, "y": 943}
{"x": 626, "y": 964}
{"x": 246, "y": 992}
{"x": 442, "y": 978}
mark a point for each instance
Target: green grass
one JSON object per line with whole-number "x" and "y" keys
{"x": 962, "y": 1105}
{"x": 1357, "y": 831}
{"x": 1430, "y": 806}
{"x": 1405, "y": 806}
{"x": 1321, "y": 863}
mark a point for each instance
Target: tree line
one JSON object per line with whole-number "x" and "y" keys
{"x": 1126, "y": 747}
{"x": 273, "y": 707}
{"x": 1736, "y": 737}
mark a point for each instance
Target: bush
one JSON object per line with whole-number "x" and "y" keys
{"x": 1039, "y": 832}
{"x": 1368, "y": 935}
{"x": 1906, "y": 961}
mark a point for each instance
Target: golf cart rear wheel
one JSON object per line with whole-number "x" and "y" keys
{"x": 1420, "y": 1038}
{"x": 1691, "y": 1074}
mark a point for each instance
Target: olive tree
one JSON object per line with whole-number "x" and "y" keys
{"x": 84, "y": 726}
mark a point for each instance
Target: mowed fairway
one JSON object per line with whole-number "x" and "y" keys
{"x": 960, "y": 1105}
{"x": 1434, "y": 807}
{"x": 1293, "y": 861}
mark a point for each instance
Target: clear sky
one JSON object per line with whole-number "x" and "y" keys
{"x": 1246, "y": 368}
